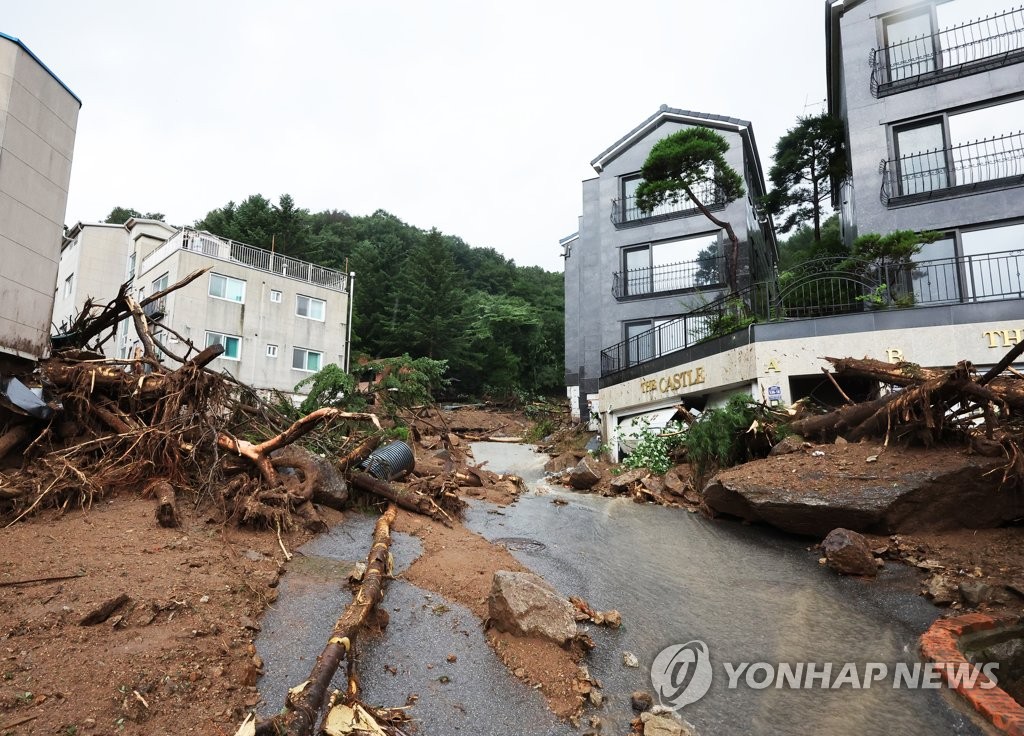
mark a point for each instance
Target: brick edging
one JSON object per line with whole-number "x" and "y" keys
{"x": 940, "y": 644}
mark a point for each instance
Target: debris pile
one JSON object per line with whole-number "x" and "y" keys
{"x": 929, "y": 406}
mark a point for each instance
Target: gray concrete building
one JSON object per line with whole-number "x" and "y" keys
{"x": 932, "y": 94}
{"x": 38, "y": 119}
{"x": 628, "y": 272}
{"x": 279, "y": 319}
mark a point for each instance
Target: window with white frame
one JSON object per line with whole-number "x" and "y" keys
{"x": 306, "y": 360}
{"x": 226, "y": 287}
{"x": 232, "y": 344}
{"x": 271, "y": 351}
{"x": 161, "y": 283}
{"x": 68, "y": 282}
{"x": 310, "y": 307}
{"x": 130, "y": 270}
{"x": 275, "y": 296}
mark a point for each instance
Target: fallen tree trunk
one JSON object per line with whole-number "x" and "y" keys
{"x": 166, "y": 504}
{"x": 411, "y": 501}
{"x": 13, "y": 437}
{"x": 304, "y": 702}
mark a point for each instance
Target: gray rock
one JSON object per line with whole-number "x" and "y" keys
{"x": 621, "y": 483}
{"x": 847, "y": 553}
{"x": 974, "y": 593}
{"x": 524, "y": 604}
{"x": 941, "y": 590}
{"x": 949, "y": 491}
{"x": 788, "y": 445}
{"x": 665, "y": 726}
{"x": 585, "y": 475}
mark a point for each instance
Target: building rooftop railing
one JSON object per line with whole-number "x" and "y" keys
{"x": 198, "y": 241}
{"x": 827, "y": 288}
{"x": 638, "y": 283}
{"x": 993, "y": 163}
{"x": 977, "y": 46}
{"x": 626, "y": 213}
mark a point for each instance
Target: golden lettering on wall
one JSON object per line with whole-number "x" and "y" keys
{"x": 675, "y": 382}
{"x": 772, "y": 367}
{"x": 894, "y": 355}
{"x": 1004, "y": 338}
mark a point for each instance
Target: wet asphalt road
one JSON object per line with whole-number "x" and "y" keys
{"x": 752, "y": 595}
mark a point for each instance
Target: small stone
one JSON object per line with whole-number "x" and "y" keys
{"x": 941, "y": 590}
{"x": 641, "y": 701}
{"x": 595, "y": 722}
{"x": 596, "y": 698}
{"x": 613, "y": 619}
{"x": 452, "y": 658}
{"x": 871, "y": 459}
{"x": 248, "y": 623}
{"x": 204, "y": 599}
{"x": 841, "y": 441}
{"x": 89, "y": 723}
{"x": 519, "y": 672}
{"x": 629, "y": 659}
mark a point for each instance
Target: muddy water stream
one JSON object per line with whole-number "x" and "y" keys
{"x": 751, "y": 595}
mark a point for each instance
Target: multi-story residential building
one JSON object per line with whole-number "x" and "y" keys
{"x": 279, "y": 319}
{"x": 38, "y": 119}
{"x": 932, "y": 94}
{"x": 628, "y": 272}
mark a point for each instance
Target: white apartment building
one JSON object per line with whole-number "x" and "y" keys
{"x": 38, "y": 119}
{"x": 279, "y": 319}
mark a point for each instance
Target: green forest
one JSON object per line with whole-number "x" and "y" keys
{"x": 499, "y": 326}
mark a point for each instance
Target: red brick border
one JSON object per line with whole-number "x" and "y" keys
{"x": 940, "y": 644}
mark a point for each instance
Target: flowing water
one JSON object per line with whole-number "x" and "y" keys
{"x": 750, "y": 594}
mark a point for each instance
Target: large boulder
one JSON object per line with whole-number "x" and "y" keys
{"x": 524, "y": 604}
{"x": 847, "y": 552}
{"x": 585, "y": 475}
{"x": 867, "y": 489}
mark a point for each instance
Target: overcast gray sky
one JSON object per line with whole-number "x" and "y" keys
{"x": 479, "y": 118}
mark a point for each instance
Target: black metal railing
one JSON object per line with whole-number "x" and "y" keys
{"x": 830, "y": 287}
{"x": 625, "y": 211}
{"x": 653, "y": 280}
{"x": 990, "y": 163}
{"x": 965, "y": 49}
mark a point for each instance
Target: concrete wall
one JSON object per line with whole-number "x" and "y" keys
{"x": 869, "y": 122}
{"x": 38, "y": 118}
{"x": 594, "y": 318}
{"x": 778, "y": 352}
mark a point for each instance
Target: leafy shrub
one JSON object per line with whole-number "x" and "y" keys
{"x": 654, "y": 447}
{"x": 735, "y": 433}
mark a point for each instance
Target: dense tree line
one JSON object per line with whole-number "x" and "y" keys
{"x": 499, "y": 325}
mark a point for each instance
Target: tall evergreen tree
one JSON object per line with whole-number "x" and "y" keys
{"x": 808, "y": 158}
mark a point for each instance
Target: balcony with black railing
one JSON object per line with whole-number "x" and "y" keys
{"x": 994, "y": 163}
{"x": 639, "y": 283}
{"x": 969, "y": 48}
{"x": 625, "y": 212}
{"x": 827, "y": 288}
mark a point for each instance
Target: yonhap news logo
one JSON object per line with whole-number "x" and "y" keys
{"x": 681, "y": 674}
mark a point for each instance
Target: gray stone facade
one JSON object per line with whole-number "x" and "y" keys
{"x": 931, "y": 94}
{"x": 609, "y": 291}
